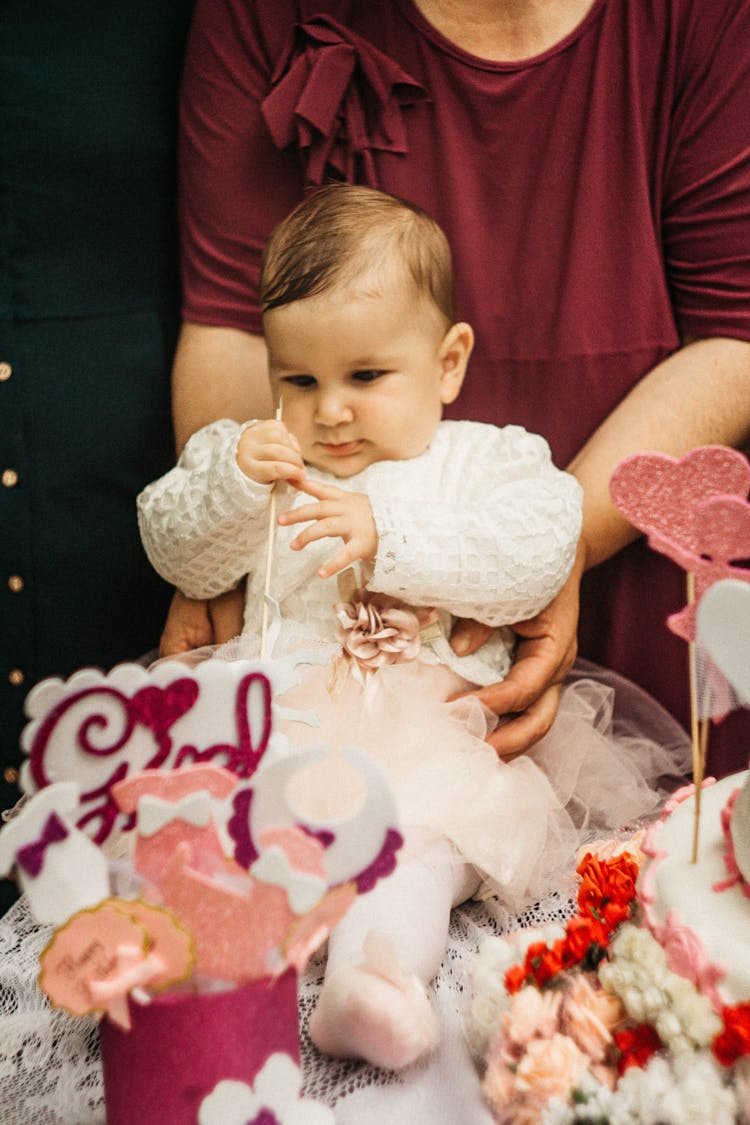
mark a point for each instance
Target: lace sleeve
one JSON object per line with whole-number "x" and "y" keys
{"x": 491, "y": 535}
{"x": 203, "y": 522}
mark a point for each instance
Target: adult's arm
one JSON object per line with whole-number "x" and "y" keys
{"x": 218, "y": 372}
{"x": 699, "y": 395}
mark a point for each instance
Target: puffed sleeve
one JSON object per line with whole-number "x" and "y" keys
{"x": 490, "y": 535}
{"x": 272, "y": 103}
{"x": 204, "y": 523}
{"x": 706, "y": 211}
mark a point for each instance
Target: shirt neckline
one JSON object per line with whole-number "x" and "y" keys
{"x": 412, "y": 13}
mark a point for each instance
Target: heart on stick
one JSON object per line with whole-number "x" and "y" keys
{"x": 723, "y": 629}
{"x": 658, "y": 494}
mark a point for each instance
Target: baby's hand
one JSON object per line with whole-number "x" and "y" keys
{"x": 339, "y": 513}
{"x": 267, "y": 452}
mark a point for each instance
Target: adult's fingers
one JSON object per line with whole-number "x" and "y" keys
{"x": 519, "y": 733}
{"x": 467, "y": 635}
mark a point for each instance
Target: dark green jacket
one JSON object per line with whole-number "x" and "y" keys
{"x": 88, "y": 317}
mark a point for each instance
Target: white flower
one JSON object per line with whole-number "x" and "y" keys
{"x": 276, "y": 1090}
{"x": 650, "y": 992}
{"x": 690, "y": 1092}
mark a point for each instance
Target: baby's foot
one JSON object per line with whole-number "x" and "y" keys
{"x": 387, "y": 1020}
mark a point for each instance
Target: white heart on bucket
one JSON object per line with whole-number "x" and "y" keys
{"x": 723, "y": 630}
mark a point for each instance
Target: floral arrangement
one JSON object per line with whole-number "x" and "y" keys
{"x": 587, "y": 1023}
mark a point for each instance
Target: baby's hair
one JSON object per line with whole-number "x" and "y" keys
{"x": 342, "y": 233}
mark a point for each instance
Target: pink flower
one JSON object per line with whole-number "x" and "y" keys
{"x": 532, "y": 1014}
{"x": 588, "y": 1015}
{"x": 375, "y": 630}
{"x": 551, "y": 1067}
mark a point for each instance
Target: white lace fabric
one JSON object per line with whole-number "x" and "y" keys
{"x": 482, "y": 525}
{"x": 50, "y": 1072}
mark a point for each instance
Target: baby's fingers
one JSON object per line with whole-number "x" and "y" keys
{"x": 319, "y": 490}
{"x": 304, "y": 514}
{"x": 324, "y": 528}
{"x": 344, "y": 558}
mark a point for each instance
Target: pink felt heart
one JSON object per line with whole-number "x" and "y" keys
{"x": 722, "y": 528}
{"x": 658, "y": 493}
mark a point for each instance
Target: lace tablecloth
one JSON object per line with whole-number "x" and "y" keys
{"x": 50, "y": 1073}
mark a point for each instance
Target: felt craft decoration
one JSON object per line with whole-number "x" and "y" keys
{"x": 276, "y": 1092}
{"x": 695, "y": 511}
{"x": 98, "y": 729}
{"x": 723, "y": 630}
{"x": 58, "y": 867}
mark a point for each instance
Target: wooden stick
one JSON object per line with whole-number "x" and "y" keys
{"x": 698, "y": 730}
{"x": 269, "y": 559}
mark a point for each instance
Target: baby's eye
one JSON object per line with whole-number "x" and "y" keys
{"x": 299, "y": 380}
{"x": 367, "y": 376}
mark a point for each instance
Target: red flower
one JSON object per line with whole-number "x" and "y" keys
{"x": 636, "y": 1046}
{"x": 606, "y": 880}
{"x": 544, "y": 962}
{"x": 581, "y": 933}
{"x": 734, "y": 1041}
{"x": 515, "y": 978}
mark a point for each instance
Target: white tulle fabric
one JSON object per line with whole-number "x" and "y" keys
{"x": 481, "y": 525}
{"x": 610, "y": 757}
{"x": 50, "y": 1073}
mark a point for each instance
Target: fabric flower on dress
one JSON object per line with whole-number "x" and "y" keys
{"x": 338, "y": 98}
{"x": 375, "y": 630}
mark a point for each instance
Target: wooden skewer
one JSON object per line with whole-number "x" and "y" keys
{"x": 698, "y": 729}
{"x": 269, "y": 558}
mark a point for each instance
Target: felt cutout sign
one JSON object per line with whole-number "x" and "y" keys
{"x": 100, "y": 955}
{"x": 693, "y": 510}
{"x": 360, "y": 846}
{"x": 274, "y": 1097}
{"x": 696, "y": 512}
{"x": 99, "y": 729}
{"x": 58, "y": 867}
{"x": 307, "y": 934}
{"x": 174, "y": 807}
{"x": 96, "y": 947}
{"x": 658, "y": 494}
{"x": 236, "y": 925}
{"x": 723, "y": 630}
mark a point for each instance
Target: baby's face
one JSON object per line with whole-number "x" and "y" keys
{"x": 363, "y": 377}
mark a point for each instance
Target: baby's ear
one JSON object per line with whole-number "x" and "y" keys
{"x": 454, "y": 357}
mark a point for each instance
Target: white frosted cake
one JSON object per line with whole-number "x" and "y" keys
{"x": 699, "y": 912}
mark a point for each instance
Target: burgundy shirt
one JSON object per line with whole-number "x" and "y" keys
{"x": 596, "y": 197}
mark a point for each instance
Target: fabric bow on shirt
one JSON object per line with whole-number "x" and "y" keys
{"x": 338, "y": 97}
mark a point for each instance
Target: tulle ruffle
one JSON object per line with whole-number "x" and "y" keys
{"x": 610, "y": 758}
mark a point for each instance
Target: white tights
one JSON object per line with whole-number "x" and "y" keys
{"x": 382, "y": 955}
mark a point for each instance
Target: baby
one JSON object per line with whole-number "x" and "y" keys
{"x": 392, "y": 523}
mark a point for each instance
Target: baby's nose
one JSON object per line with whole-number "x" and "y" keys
{"x": 333, "y": 410}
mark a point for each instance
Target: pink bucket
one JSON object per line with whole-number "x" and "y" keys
{"x": 181, "y": 1045}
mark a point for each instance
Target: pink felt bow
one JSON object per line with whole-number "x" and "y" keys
{"x": 31, "y": 856}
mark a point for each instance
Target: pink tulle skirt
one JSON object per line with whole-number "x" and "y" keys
{"x": 609, "y": 759}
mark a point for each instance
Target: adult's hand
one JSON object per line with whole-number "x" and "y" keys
{"x": 528, "y": 698}
{"x": 191, "y": 624}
